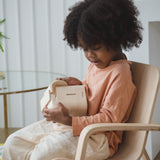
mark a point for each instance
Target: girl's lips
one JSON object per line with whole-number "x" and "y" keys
{"x": 95, "y": 62}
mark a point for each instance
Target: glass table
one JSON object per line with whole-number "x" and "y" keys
{"x": 13, "y": 82}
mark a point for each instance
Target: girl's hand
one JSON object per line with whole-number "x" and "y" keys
{"x": 59, "y": 114}
{"x": 71, "y": 80}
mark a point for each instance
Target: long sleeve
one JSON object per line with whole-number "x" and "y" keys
{"x": 111, "y": 98}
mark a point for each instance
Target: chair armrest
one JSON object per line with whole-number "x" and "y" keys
{"x": 101, "y": 127}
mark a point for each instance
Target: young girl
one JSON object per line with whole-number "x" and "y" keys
{"x": 102, "y": 28}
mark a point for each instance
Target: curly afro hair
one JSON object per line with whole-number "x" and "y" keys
{"x": 113, "y": 23}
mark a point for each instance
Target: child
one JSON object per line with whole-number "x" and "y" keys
{"x": 102, "y": 28}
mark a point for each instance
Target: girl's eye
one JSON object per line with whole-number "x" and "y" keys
{"x": 85, "y": 49}
{"x": 97, "y": 48}
{"x": 93, "y": 49}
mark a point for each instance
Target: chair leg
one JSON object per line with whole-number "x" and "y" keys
{"x": 145, "y": 155}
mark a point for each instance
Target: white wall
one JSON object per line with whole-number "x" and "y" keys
{"x": 35, "y": 28}
{"x": 154, "y": 56}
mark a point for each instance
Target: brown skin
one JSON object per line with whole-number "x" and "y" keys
{"x": 100, "y": 56}
{"x": 59, "y": 114}
{"x": 71, "y": 80}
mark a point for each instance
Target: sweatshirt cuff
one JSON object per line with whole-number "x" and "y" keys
{"x": 76, "y": 126}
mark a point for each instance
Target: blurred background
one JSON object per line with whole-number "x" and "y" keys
{"x": 35, "y": 31}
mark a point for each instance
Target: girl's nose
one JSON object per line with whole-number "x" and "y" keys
{"x": 90, "y": 53}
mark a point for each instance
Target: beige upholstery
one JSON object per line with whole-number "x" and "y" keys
{"x": 146, "y": 79}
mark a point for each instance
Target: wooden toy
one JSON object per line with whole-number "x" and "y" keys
{"x": 73, "y": 97}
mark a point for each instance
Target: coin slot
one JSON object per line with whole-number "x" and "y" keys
{"x": 71, "y": 94}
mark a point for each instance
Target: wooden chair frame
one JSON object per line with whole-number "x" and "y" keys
{"x": 147, "y": 80}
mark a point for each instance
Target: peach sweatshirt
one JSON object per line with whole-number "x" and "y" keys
{"x": 111, "y": 94}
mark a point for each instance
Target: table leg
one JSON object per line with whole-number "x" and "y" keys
{"x": 5, "y": 110}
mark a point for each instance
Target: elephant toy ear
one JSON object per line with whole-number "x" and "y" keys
{"x": 49, "y": 93}
{"x": 73, "y": 97}
{"x": 57, "y": 83}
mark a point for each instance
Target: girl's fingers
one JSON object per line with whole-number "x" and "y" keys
{"x": 63, "y": 109}
{"x": 63, "y": 79}
{"x": 60, "y": 104}
{"x": 58, "y": 78}
{"x": 46, "y": 111}
{"x": 46, "y": 115}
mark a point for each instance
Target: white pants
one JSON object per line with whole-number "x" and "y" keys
{"x": 45, "y": 140}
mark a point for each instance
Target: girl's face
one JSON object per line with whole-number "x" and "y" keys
{"x": 99, "y": 55}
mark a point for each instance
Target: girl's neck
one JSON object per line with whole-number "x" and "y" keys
{"x": 119, "y": 55}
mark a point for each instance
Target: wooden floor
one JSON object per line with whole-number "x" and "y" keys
{"x": 4, "y": 133}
